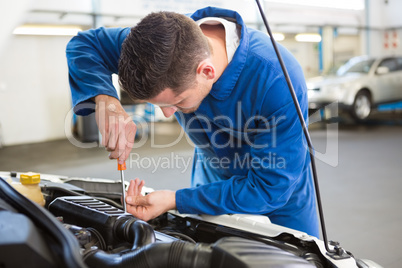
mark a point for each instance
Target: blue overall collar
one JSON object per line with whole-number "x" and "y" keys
{"x": 222, "y": 88}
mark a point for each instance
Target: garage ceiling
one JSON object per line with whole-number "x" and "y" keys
{"x": 284, "y": 13}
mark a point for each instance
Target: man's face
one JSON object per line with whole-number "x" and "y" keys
{"x": 187, "y": 102}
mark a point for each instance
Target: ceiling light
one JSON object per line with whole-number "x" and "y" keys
{"x": 339, "y": 4}
{"x": 46, "y": 30}
{"x": 315, "y": 38}
{"x": 278, "y": 36}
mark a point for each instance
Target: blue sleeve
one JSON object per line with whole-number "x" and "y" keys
{"x": 92, "y": 57}
{"x": 276, "y": 172}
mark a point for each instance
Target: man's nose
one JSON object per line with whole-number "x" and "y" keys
{"x": 169, "y": 111}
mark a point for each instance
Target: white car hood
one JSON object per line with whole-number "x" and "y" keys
{"x": 319, "y": 81}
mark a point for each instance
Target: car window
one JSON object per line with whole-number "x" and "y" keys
{"x": 399, "y": 62}
{"x": 391, "y": 63}
{"x": 359, "y": 67}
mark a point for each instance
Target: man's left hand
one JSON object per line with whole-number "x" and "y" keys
{"x": 151, "y": 205}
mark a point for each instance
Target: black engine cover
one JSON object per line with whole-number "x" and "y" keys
{"x": 86, "y": 212}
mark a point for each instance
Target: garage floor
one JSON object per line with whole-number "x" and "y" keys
{"x": 359, "y": 168}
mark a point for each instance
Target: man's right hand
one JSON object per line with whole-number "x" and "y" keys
{"x": 116, "y": 127}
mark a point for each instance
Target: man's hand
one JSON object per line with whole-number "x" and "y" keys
{"x": 149, "y": 206}
{"x": 116, "y": 127}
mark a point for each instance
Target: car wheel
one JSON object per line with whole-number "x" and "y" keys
{"x": 361, "y": 108}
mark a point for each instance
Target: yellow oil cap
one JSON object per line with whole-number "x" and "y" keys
{"x": 30, "y": 178}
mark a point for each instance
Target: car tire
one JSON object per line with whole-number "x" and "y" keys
{"x": 361, "y": 107}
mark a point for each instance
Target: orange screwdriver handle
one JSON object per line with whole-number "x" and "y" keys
{"x": 121, "y": 166}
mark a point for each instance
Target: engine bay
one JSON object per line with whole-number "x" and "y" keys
{"x": 83, "y": 224}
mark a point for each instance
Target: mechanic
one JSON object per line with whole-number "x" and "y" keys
{"x": 223, "y": 82}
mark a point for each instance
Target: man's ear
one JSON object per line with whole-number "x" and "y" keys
{"x": 206, "y": 69}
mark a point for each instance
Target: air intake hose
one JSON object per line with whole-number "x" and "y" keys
{"x": 135, "y": 231}
{"x": 177, "y": 254}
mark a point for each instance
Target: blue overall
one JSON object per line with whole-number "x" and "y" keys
{"x": 250, "y": 153}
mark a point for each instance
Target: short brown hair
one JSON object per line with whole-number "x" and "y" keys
{"x": 162, "y": 51}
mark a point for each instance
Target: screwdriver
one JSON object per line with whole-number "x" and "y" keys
{"x": 122, "y": 167}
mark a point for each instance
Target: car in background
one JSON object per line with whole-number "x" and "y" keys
{"x": 359, "y": 86}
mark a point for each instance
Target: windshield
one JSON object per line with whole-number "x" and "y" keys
{"x": 355, "y": 65}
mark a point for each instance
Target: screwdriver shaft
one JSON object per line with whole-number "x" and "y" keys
{"x": 122, "y": 167}
{"x": 123, "y": 185}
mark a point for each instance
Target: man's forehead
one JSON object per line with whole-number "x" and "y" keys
{"x": 166, "y": 97}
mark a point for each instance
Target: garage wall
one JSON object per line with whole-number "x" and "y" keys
{"x": 305, "y": 53}
{"x": 384, "y": 17}
{"x": 34, "y": 93}
{"x": 345, "y": 47}
{"x": 392, "y": 19}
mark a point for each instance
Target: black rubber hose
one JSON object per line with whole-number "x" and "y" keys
{"x": 177, "y": 254}
{"x": 133, "y": 230}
